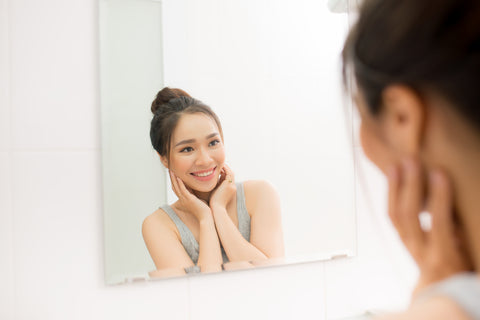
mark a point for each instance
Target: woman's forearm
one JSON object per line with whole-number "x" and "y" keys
{"x": 236, "y": 246}
{"x": 210, "y": 254}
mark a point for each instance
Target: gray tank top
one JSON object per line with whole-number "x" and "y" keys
{"x": 188, "y": 240}
{"x": 463, "y": 288}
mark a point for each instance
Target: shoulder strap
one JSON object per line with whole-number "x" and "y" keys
{"x": 188, "y": 240}
{"x": 242, "y": 213}
{"x": 463, "y": 288}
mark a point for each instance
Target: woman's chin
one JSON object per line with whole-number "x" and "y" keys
{"x": 203, "y": 187}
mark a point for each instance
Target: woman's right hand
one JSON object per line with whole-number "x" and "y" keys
{"x": 439, "y": 251}
{"x": 188, "y": 200}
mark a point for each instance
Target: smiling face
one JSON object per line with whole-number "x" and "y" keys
{"x": 197, "y": 153}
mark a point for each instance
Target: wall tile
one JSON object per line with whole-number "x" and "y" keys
{"x": 4, "y": 77}
{"x": 58, "y": 249}
{"x": 6, "y": 239}
{"x": 54, "y": 76}
{"x": 164, "y": 299}
{"x": 286, "y": 292}
{"x": 57, "y": 230}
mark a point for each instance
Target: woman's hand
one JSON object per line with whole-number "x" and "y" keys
{"x": 188, "y": 200}
{"x": 225, "y": 189}
{"x": 438, "y": 251}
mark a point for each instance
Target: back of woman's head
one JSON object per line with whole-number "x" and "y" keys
{"x": 432, "y": 46}
{"x": 167, "y": 108}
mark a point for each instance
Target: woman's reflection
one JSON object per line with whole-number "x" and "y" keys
{"x": 215, "y": 220}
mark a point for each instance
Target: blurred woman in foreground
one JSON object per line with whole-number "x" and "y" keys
{"x": 416, "y": 71}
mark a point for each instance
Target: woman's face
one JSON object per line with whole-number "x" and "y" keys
{"x": 372, "y": 136}
{"x": 197, "y": 153}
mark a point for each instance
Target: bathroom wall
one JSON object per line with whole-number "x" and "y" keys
{"x": 51, "y": 223}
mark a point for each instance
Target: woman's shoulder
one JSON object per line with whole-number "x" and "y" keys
{"x": 158, "y": 220}
{"x": 436, "y": 308}
{"x": 258, "y": 192}
{"x": 258, "y": 186}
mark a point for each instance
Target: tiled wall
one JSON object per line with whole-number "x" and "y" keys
{"x": 51, "y": 238}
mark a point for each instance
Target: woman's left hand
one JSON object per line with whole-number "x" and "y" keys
{"x": 225, "y": 189}
{"x": 438, "y": 251}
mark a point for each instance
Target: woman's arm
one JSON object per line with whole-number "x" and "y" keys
{"x": 166, "y": 249}
{"x": 163, "y": 243}
{"x": 210, "y": 255}
{"x": 266, "y": 232}
{"x": 266, "y": 236}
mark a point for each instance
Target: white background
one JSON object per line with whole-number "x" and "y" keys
{"x": 51, "y": 222}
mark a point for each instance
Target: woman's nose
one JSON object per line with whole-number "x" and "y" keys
{"x": 203, "y": 157}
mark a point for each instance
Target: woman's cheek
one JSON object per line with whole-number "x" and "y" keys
{"x": 220, "y": 155}
{"x": 369, "y": 145}
{"x": 180, "y": 166}
{"x": 375, "y": 149}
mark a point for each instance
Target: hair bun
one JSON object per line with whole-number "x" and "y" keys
{"x": 165, "y": 95}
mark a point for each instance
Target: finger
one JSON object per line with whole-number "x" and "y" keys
{"x": 440, "y": 206}
{"x": 183, "y": 189}
{"x": 230, "y": 175}
{"x": 173, "y": 180}
{"x": 410, "y": 204}
{"x": 222, "y": 176}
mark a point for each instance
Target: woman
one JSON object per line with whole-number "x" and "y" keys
{"x": 215, "y": 220}
{"x": 416, "y": 66}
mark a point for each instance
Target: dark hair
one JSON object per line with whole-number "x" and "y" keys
{"x": 167, "y": 108}
{"x": 431, "y": 46}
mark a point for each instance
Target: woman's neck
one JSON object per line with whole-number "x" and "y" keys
{"x": 466, "y": 187}
{"x": 205, "y": 196}
{"x": 453, "y": 145}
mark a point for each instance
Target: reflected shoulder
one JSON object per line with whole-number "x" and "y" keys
{"x": 258, "y": 186}
{"x": 156, "y": 222}
{"x": 259, "y": 193}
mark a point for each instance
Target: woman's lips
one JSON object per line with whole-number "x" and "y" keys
{"x": 204, "y": 175}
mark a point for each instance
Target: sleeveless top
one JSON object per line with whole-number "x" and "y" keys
{"x": 188, "y": 240}
{"x": 462, "y": 288}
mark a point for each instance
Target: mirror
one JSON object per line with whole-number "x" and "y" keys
{"x": 271, "y": 72}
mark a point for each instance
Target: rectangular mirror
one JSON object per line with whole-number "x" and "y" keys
{"x": 271, "y": 71}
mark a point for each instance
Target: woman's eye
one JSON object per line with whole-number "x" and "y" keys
{"x": 187, "y": 149}
{"x": 214, "y": 143}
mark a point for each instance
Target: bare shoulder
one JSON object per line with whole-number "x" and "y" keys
{"x": 259, "y": 194}
{"x": 163, "y": 241}
{"x": 258, "y": 187}
{"x": 436, "y": 308}
{"x": 157, "y": 223}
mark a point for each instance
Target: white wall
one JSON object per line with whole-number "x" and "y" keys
{"x": 51, "y": 229}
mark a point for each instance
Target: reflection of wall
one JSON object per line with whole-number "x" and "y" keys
{"x": 51, "y": 216}
{"x": 133, "y": 178}
{"x": 270, "y": 69}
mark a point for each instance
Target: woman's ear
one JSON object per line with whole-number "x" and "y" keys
{"x": 403, "y": 119}
{"x": 163, "y": 160}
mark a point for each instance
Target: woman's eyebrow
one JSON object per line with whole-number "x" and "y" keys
{"x": 185, "y": 142}
{"x": 211, "y": 135}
